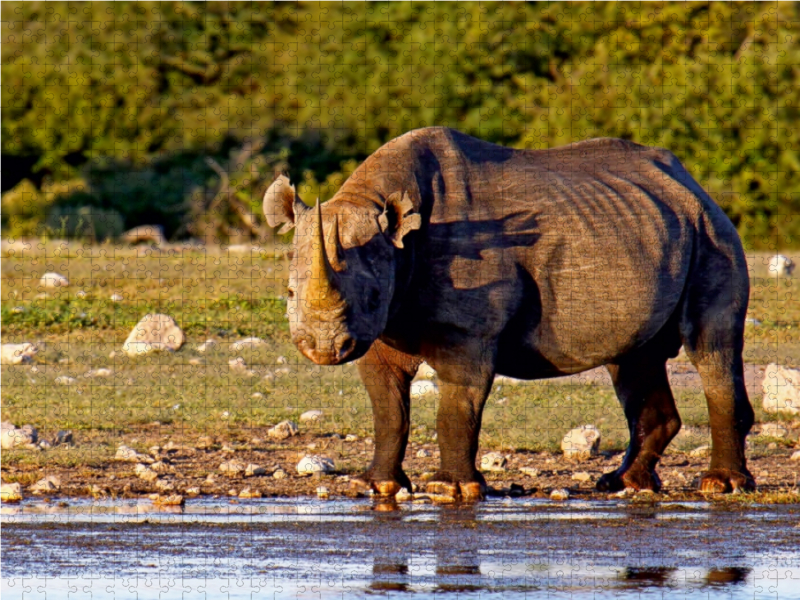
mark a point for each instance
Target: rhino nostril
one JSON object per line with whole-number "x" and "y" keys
{"x": 346, "y": 346}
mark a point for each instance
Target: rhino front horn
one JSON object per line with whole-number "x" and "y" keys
{"x": 322, "y": 284}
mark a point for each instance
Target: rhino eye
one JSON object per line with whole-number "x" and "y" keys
{"x": 290, "y": 291}
{"x": 374, "y": 300}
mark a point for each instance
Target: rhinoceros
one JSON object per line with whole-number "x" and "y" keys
{"x": 484, "y": 260}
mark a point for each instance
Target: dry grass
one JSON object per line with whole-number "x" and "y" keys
{"x": 227, "y": 296}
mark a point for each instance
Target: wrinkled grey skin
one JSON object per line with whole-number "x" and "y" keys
{"x": 483, "y": 260}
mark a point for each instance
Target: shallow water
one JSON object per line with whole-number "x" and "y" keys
{"x": 301, "y": 548}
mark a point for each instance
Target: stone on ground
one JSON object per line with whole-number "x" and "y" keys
{"x": 311, "y": 415}
{"x": 283, "y": 430}
{"x": 581, "y": 443}
{"x": 309, "y": 465}
{"x": 13, "y": 437}
{"x": 11, "y": 492}
{"x": 493, "y": 461}
{"x": 154, "y": 333}
{"x": 53, "y": 280}
{"x": 17, "y": 354}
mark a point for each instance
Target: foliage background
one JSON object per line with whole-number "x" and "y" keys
{"x": 121, "y": 114}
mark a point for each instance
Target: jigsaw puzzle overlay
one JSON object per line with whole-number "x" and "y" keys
{"x": 342, "y": 300}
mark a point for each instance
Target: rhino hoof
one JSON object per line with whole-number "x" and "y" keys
{"x": 468, "y": 492}
{"x": 638, "y": 479}
{"x": 725, "y": 481}
{"x": 363, "y": 486}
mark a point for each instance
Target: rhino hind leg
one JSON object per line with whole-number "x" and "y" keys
{"x": 642, "y": 387}
{"x": 387, "y": 375}
{"x": 730, "y": 416}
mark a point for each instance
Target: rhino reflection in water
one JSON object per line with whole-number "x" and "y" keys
{"x": 483, "y": 260}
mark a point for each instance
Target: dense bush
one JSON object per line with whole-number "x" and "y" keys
{"x": 154, "y": 89}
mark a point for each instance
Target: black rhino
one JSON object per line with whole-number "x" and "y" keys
{"x": 485, "y": 260}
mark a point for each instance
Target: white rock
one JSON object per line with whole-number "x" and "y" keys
{"x": 493, "y": 461}
{"x": 795, "y": 455}
{"x": 116, "y": 298}
{"x": 231, "y": 468}
{"x": 781, "y": 387}
{"x": 164, "y": 485}
{"x": 781, "y": 266}
{"x": 426, "y": 371}
{"x": 582, "y": 476}
{"x": 581, "y": 443}
{"x": 701, "y": 451}
{"x": 254, "y": 471}
{"x": 12, "y": 437}
{"x": 65, "y": 380}
{"x": 43, "y": 486}
{"x": 776, "y": 430}
{"x": 101, "y": 372}
{"x": 423, "y": 388}
{"x": 529, "y": 471}
{"x": 125, "y": 454}
{"x": 169, "y": 500}
{"x": 256, "y": 395}
{"x": 351, "y": 437}
{"x": 311, "y": 415}
{"x": 145, "y": 472}
{"x": 247, "y": 493}
{"x": 559, "y": 495}
{"x": 81, "y": 294}
{"x": 423, "y": 453}
{"x": 48, "y": 485}
{"x": 282, "y": 360}
{"x": 309, "y": 465}
{"x": 251, "y": 342}
{"x": 53, "y": 280}
{"x": 193, "y": 491}
{"x": 323, "y": 493}
{"x": 11, "y": 492}
{"x": 155, "y": 332}
{"x": 207, "y": 345}
{"x": 283, "y": 430}
{"x": 17, "y": 354}
{"x": 279, "y": 474}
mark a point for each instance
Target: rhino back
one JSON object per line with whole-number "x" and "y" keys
{"x": 569, "y": 257}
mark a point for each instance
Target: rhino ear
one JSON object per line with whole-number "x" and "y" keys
{"x": 282, "y": 205}
{"x": 399, "y": 218}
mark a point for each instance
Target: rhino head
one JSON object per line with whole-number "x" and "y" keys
{"x": 342, "y": 273}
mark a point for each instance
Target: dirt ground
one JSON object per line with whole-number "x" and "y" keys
{"x": 191, "y": 466}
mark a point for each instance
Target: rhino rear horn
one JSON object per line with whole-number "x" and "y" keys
{"x": 282, "y": 205}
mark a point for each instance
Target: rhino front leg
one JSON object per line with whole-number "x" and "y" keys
{"x": 464, "y": 390}
{"x": 387, "y": 375}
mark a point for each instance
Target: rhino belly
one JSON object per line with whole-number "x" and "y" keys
{"x": 592, "y": 303}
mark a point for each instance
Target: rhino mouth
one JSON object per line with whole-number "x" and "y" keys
{"x": 344, "y": 349}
